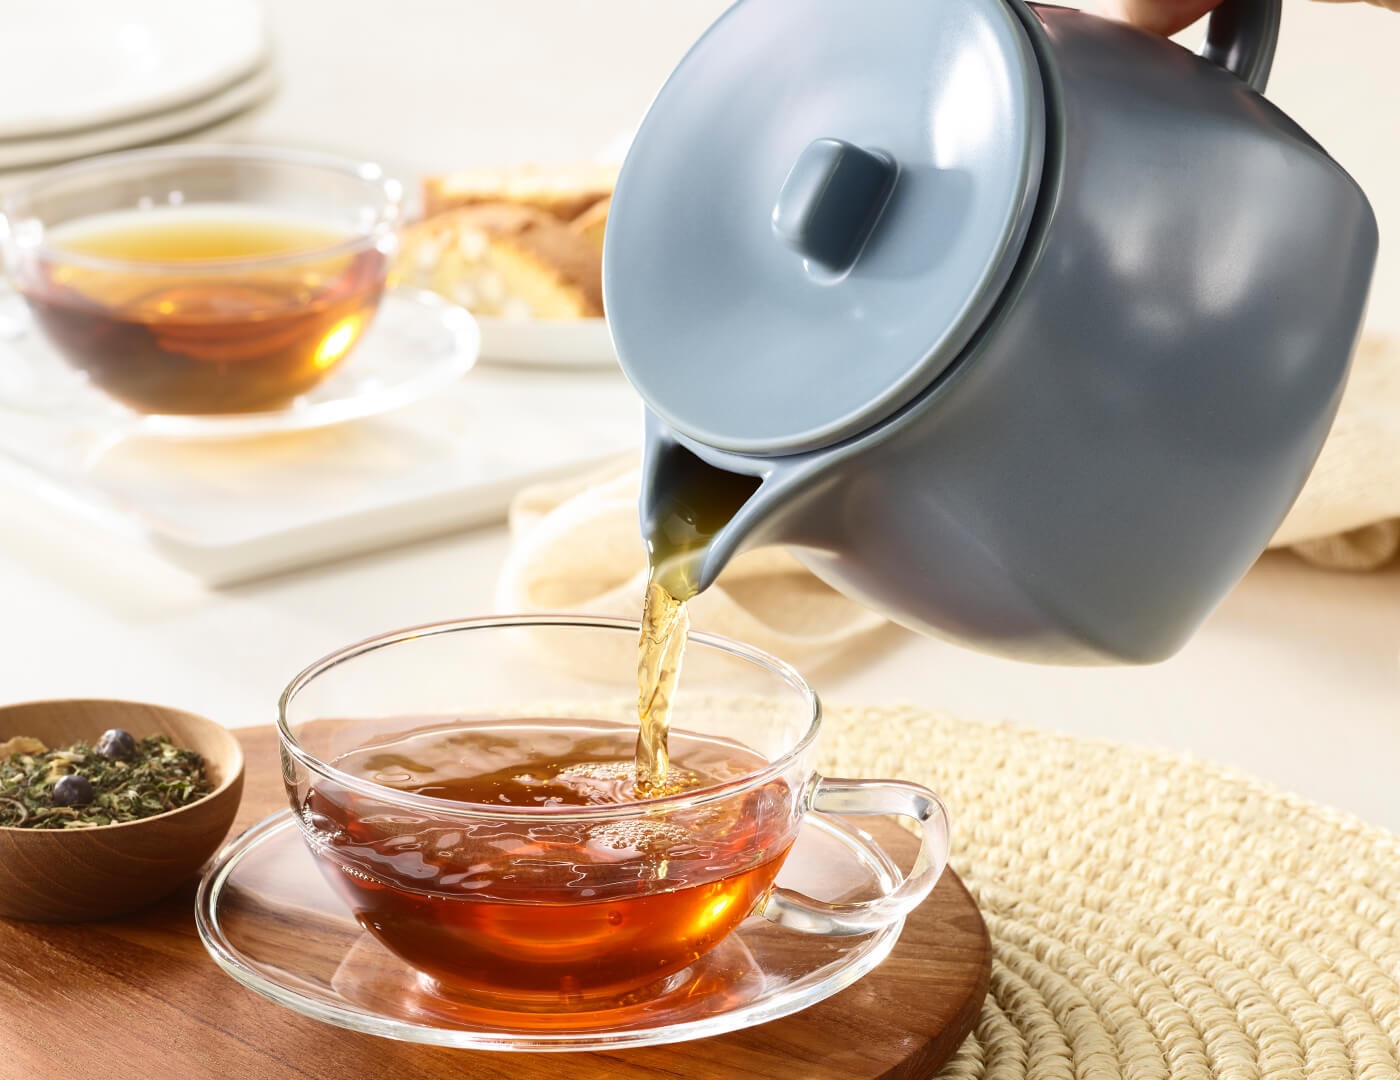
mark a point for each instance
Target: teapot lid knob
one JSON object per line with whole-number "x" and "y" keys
{"x": 831, "y": 200}
{"x": 819, "y": 211}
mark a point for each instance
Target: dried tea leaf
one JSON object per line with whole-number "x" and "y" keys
{"x": 158, "y": 777}
{"x": 22, "y": 744}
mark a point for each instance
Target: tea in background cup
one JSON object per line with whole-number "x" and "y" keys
{"x": 475, "y": 805}
{"x": 203, "y": 279}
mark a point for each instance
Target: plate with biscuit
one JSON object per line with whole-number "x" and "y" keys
{"x": 521, "y": 248}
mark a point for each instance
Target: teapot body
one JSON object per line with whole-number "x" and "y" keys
{"x": 1134, "y": 419}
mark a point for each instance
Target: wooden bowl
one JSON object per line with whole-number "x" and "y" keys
{"x": 73, "y": 875}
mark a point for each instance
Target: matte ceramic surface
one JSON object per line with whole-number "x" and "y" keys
{"x": 1144, "y": 400}
{"x": 72, "y": 64}
{"x": 229, "y": 510}
{"x": 721, "y": 300}
{"x": 166, "y": 124}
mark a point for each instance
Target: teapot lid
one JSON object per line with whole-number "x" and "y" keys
{"x": 819, "y": 211}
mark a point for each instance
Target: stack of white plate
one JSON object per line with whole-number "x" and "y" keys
{"x": 84, "y": 77}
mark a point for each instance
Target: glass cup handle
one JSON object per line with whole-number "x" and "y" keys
{"x": 834, "y": 795}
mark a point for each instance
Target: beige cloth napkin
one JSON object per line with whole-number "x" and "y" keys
{"x": 577, "y": 547}
{"x": 1348, "y": 516}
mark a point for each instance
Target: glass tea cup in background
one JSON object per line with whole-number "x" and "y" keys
{"x": 203, "y": 279}
{"x": 545, "y": 894}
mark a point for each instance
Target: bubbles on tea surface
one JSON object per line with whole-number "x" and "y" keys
{"x": 601, "y": 770}
{"x": 623, "y": 774}
{"x": 646, "y": 837}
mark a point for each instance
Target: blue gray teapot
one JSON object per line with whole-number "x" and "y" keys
{"x": 1016, "y": 324}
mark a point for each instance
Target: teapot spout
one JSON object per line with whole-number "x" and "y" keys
{"x": 696, "y": 515}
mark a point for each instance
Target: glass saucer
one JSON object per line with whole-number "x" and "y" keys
{"x": 417, "y": 344}
{"x": 269, "y": 919}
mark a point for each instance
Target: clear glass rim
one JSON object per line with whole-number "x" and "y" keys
{"x": 479, "y": 811}
{"x": 387, "y": 214}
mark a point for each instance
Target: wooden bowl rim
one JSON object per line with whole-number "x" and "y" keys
{"x": 235, "y": 774}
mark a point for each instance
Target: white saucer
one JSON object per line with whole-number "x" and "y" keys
{"x": 417, "y": 344}
{"x": 138, "y": 131}
{"x": 269, "y": 919}
{"x": 572, "y": 343}
{"x": 76, "y": 64}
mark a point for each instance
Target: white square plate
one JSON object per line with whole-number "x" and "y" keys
{"x": 230, "y": 511}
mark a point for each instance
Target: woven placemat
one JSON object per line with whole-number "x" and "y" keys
{"x": 1152, "y": 916}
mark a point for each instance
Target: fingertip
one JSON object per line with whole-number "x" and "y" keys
{"x": 1165, "y": 17}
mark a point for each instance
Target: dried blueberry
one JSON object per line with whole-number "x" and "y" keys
{"x": 116, "y": 744}
{"x": 75, "y": 789}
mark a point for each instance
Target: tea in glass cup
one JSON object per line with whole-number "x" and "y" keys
{"x": 197, "y": 280}
{"x": 556, "y": 908}
{"x": 476, "y": 804}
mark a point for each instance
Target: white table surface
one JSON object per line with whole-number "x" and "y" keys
{"x": 1295, "y": 679}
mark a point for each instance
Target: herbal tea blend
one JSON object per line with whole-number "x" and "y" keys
{"x": 121, "y": 778}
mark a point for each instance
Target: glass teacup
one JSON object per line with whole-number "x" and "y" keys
{"x": 555, "y": 888}
{"x": 203, "y": 279}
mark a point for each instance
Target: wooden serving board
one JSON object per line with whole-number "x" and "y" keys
{"x": 139, "y": 998}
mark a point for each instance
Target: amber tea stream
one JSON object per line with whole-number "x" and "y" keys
{"x": 702, "y": 502}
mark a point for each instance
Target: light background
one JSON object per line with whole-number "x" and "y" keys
{"x": 1294, "y": 679}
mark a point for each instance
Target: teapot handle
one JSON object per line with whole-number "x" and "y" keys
{"x": 1241, "y": 37}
